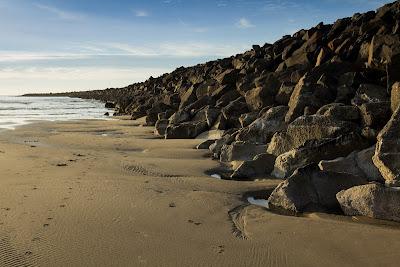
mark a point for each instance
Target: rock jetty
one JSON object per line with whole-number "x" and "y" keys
{"x": 319, "y": 109}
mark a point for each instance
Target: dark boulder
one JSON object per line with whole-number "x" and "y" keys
{"x": 305, "y": 128}
{"x": 358, "y": 163}
{"x": 260, "y": 166}
{"x": 387, "y": 153}
{"x": 375, "y": 114}
{"x": 161, "y": 126}
{"x": 371, "y": 200}
{"x": 263, "y": 128}
{"x": 370, "y": 93}
{"x": 110, "y": 105}
{"x": 240, "y": 151}
{"x": 314, "y": 151}
{"x": 308, "y": 94}
{"x": 395, "y": 96}
{"x": 309, "y": 189}
{"x": 185, "y": 130}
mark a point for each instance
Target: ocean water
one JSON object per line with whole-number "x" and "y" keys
{"x": 16, "y": 110}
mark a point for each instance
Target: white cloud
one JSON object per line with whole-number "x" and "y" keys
{"x": 141, "y": 13}
{"x": 244, "y": 23}
{"x": 61, "y": 14}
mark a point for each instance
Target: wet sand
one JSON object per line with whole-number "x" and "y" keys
{"x": 108, "y": 193}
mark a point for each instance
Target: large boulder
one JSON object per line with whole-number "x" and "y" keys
{"x": 263, "y": 128}
{"x": 179, "y": 117}
{"x": 284, "y": 93}
{"x": 110, "y": 105}
{"x": 357, "y": 163}
{"x": 185, "y": 130}
{"x": 228, "y": 77}
{"x": 305, "y": 128}
{"x": 370, "y": 93}
{"x": 161, "y": 127}
{"x": 375, "y": 114}
{"x": 226, "y": 139}
{"x": 340, "y": 111}
{"x": 309, "y": 189}
{"x": 371, "y": 200}
{"x": 247, "y": 118}
{"x": 233, "y": 111}
{"x": 200, "y": 103}
{"x": 241, "y": 151}
{"x": 264, "y": 93}
{"x": 395, "y": 96}
{"x": 208, "y": 114}
{"x": 314, "y": 151}
{"x": 258, "y": 98}
{"x": 387, "y": 153}
{"x": 260, "y": 166}
{"x": 188, "y": 97}
{"x": 308, "y": 93}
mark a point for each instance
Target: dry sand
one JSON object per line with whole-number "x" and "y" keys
{"x": 106, "y": 193}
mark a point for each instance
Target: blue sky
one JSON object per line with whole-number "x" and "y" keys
{"x": 64, "y": 45}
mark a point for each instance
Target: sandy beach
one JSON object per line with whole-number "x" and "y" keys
{"x": 108, "y": 193}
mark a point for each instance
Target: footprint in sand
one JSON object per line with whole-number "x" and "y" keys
{"x": 195, "y": 223}
{"x": 220, "y": 249}
{"x": 61, "y": 165}
{"x": 141, "y": 170}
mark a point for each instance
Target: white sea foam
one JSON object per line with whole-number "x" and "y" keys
{"x": 15, "y": 111}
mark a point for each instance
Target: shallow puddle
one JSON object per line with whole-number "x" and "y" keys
{"x": 258, "y": 202}
{"x": 216, "y": 176}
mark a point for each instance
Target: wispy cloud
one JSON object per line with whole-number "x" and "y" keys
{"x": 197, "y": 49}
{"x": 222, "y": 4}
{"x": 200, "y": 29}
{"x": 128, "y": 49}
{"x": 191, "y": 27}
{"x": 17, "y": 56}
{"x": 274, "y": 5}
{"x": 88, "y": 51}
{"x": 60, "y": 13}
{"x": 141, "y": 13}
{"x": 244, "y": 23}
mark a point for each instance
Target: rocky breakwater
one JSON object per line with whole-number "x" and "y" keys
{"x": 318, "y": 109}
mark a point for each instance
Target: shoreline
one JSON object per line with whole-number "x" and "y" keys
{"x": 132, "y": 199}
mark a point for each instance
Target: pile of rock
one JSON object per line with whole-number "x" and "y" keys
{"x": 319, "y": 108}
